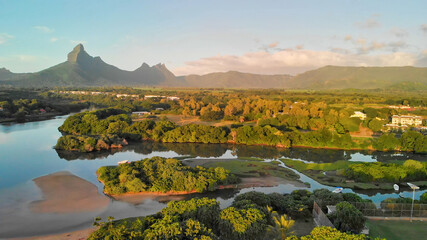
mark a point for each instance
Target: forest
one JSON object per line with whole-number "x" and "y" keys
{"x": 319, "y": 119}
{"x": 162, "y": 175}
{"x": 119, "y": 122}
{"x": 252, "y": 215}
{"x": 34, "y": 105}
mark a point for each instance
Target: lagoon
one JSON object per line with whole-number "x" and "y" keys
{"x": 26, "y": 153}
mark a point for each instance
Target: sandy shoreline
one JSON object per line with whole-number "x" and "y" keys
{"x": 64, "y": 192}
{"x": 75, "y": 235}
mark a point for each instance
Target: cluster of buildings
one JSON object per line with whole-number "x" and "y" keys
{"x": 398, "y": 122}
{"x": 403, "y": 107}
{"x": 143, "y": 113}
{"x": 119, "y": 95}
{"x": 171, "y": 98}
{"x": 403, "y": 122}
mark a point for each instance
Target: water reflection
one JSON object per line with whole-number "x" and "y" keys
{"x": 26, "y": 153}
{"x": 265, "y": 152}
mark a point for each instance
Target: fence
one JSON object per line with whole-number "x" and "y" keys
{"x": 400, "y": 210}
{"x": 320, "y": 218}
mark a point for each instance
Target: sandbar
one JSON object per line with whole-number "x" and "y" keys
{"x": 76, "y": 235}
{"x": 64, "y": 192}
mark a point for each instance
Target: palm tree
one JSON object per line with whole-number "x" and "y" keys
{"x": 283, "y": 224}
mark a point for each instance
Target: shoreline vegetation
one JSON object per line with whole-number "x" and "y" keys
{"x": 163, "y": 176}
{"x": 26, "y": 105}
{"x": 112, "y": 128}
{"x": 252, "y": 215}
{"x": 364, "y": 176}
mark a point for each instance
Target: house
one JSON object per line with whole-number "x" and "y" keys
{"x": 1, "y": 109}
{"x": 173, "y": 98}
{"x": 123, "y": 162}
{"x": 407, "y": 120}
{"x": 142, "y": 113}
{"x": 160, "y": 109}
{"x": 42, "y": 111}
{"x": 359, "y": 114}
{"x": 392, "y": 126}
{"x": 151, "y": 96}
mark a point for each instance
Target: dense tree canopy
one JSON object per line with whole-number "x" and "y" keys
{"x": 162, "y": 175}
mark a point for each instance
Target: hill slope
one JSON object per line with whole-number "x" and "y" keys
{"x": 331, "y": 77}
{"x": 81, "y": 69}
{"x": 235, "y": 79}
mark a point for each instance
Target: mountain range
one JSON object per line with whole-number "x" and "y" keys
{"x": 83, "y": 70}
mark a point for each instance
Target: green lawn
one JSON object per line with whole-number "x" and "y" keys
{"x": 244, "y": 168}
{"x": 396, "y": 230}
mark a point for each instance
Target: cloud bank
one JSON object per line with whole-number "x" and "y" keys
{"x": 294, "y": 61}
{"x": 44, "y": 29}
{"x": 4, "y": 37}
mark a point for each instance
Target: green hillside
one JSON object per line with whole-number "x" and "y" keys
{"x": 331, "y": 77}
{"x": 235, "y": 79}
{"x": 83, "y": 70}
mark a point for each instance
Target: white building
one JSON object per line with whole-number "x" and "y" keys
{"x": 359, "y": 114}
{"x": 407, "y": 120}
{"x": 172, "y": 98}
{"x": 142, "y": 113}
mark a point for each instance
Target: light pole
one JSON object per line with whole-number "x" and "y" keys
{"x": 414, "y": 187}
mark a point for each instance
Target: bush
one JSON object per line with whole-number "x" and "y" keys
{"x": 347, "y": 218}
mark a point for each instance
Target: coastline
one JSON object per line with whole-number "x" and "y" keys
{"x": 278, "y": 146}
{"x": 74, "y": 235}
{"x": 33, "y": 118}
{"x": 64, "y": 192}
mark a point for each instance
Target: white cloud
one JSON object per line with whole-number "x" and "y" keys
{"x": 273, "y": 45}
{"x": 44, "y": 29}
{"x": 290, "y": 61}
{"x": 4, "y": 37}
{"x": 399, "y": 32}
{"x": 424, "y": 28}
{"x": 371, "y": 22}
{"x": 364, "y": 47}
{"x": 54, "y": 39}
{"x": 74, "y": 42}
{"x": 26, "y": 58}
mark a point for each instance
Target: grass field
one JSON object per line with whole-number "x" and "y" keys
{"x": 397, "y": 230}
{"x": 331, "y": 174}
{"x": 255, "y": 169}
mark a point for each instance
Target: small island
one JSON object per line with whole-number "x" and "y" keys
{"x": 163, "y": 176}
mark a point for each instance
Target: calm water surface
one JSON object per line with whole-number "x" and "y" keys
{"x": 26, "y": 153}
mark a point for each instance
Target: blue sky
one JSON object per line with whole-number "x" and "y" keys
{"x": 266, "y": 37}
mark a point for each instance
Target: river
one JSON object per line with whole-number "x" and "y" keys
{"x": 26, "y": 152}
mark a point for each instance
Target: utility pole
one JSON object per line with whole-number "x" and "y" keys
{"x": 414, "y": 187}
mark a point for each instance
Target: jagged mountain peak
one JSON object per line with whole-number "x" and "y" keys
{"x": 78, "y": 54}
{"x": 143, "y": 67}
{"x": 5, "y": 70}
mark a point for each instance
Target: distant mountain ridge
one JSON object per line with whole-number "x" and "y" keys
{"x": 83, "y": 70}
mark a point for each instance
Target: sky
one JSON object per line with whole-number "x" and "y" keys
{"x": 201, "y": 36}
